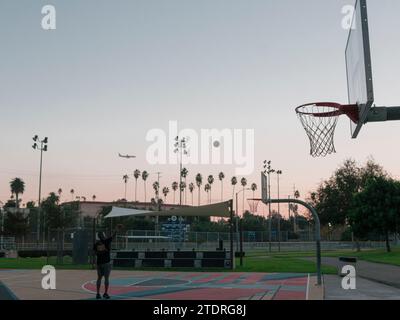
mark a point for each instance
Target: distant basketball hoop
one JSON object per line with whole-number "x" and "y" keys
{"x": 253, "y": 204}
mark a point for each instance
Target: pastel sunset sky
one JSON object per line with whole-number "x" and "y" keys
{"x": 113, "y": 70}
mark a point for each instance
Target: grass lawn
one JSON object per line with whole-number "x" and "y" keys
{"x": 256, "y": 261}
{"x": 378, "y": 256}
{"x": 277, "y": 263}
{"x": 371, "y": 255}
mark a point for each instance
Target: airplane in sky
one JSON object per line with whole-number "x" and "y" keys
{"x": 126, "y": 156}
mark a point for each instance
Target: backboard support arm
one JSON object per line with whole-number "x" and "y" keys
{"x": 381, "y": 114}
{"x": 317, "y": 229}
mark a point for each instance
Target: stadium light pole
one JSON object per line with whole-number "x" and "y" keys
{"x": 180, "y": 149}
{"x": 278, "y": 173}
{"x": 268, "y": 171}
{"x": 40, "y": 145}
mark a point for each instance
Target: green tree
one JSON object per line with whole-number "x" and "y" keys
{"x": 58, "y": 216}
{"x": 191, "y": 189}
{"x": 243, "y": 182}
{"x": 156, "y": 188}
{"x": 16, "y": 223}
{"x": 125, "y": 178}
{"x": 199, "y": 182}
{"x": 210, "y": 180}
{"x": 136, "y": 175}
{"x": 174, "y": 187}
{"x": 165, "y": 192}
{"x": 234, "y": 182}
{"x": 145, "y": 175}
{"x": 184, "y": 174}
{"x": 207, "y": 189}
{"x": 376, "y": 208}
{"x": 221, "y": 177}
{"x": 17, "y": 186}
{"x": 334, "y": 197}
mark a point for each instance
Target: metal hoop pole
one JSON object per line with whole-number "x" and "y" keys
{"x": 317, "y": 230}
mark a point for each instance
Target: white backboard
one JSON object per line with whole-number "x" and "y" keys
{"x": 358, "y": 66}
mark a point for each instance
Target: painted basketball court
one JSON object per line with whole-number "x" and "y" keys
{"x": 131, "y": 285}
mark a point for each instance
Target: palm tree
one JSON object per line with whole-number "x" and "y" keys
{"x": 17, "y": 186}
{"x": 243, "y": 182}
{"x": 156, "y": 187}
{"x": 125, "y": 178}
{"x": 207, "y": 188}
{"x": 221, "y": 177}
{"x": 136, "y": 175}
{"x": 184, "y": 174}
{"x": 165, "y": 192}
{"x": 191, "y": 188}
{"x": 253, "y": 188}
{"x": 234, "y": 183}
{"x": 84, "y": 199}
{"x": 199, "y": 181}
{"x": 145, "y": 175}
{"x": 94, "y": 197}
{"x": 59, "y": 194}
{"x": 210, "y": 180}
{"x": 174, "y": 188}
{"x": 72, "y": 194}
{"x": 182, "y": 188}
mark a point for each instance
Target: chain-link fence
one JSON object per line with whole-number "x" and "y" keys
{"x": 74, "y": 246}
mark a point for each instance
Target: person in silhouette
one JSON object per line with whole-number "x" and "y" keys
{"x": 102, "y": 249}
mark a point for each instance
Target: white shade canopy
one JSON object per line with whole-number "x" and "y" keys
{"x": 213, "y": 210}
{"x": 125, "y": 212}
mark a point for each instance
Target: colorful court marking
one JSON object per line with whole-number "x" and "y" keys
{"x": 208, "y": 286}
{"x": 133, "y": 285}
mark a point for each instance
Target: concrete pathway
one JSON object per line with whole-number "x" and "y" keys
{"x": 365, "y": 290}
{"x": 378, "y": 272}
{"x": 374, "y": 281}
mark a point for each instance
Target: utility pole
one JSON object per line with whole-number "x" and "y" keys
{"x": 41, "y": 148}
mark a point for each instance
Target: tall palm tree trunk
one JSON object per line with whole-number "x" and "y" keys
{"x": 199, "y": 197}
{"x": 135, "y": 190}
{"x": 185, "y": 191}
{"x": 243, "y": 201}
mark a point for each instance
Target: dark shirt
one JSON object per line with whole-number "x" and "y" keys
{"x": 102, "y": 249}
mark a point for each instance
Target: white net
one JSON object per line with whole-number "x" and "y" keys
{"x": 253, "y": 204}
{"x": 320, "y": 124}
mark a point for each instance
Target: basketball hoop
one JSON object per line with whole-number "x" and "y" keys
{"x": 320, "y": 120}
{"x": 253, "y": 204}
